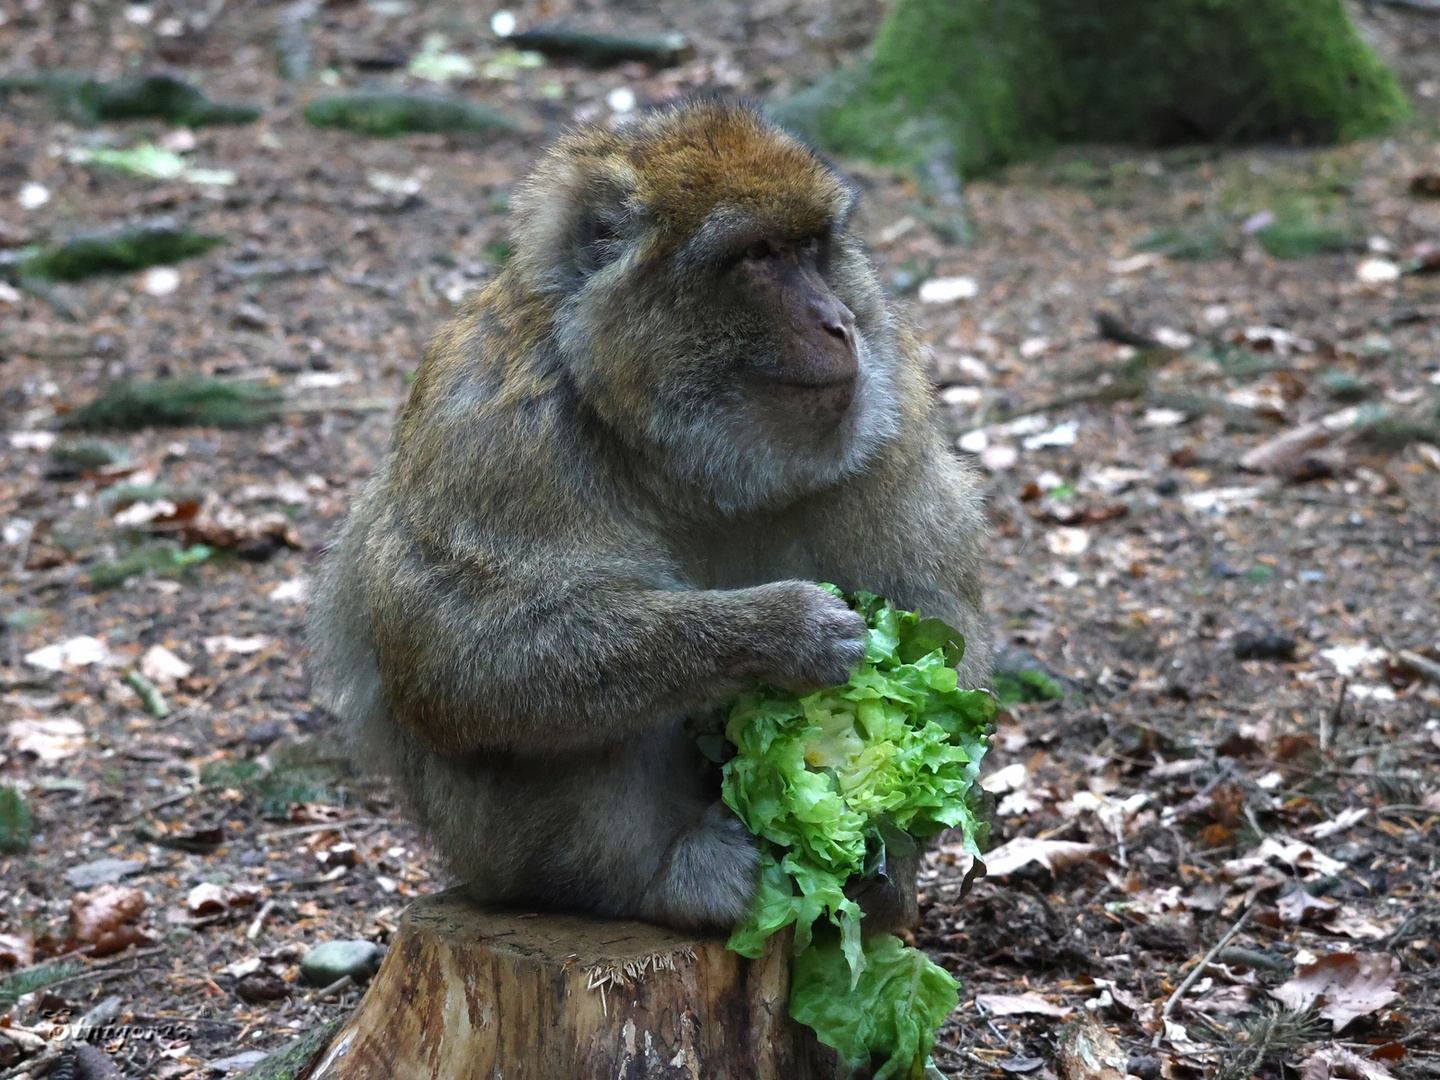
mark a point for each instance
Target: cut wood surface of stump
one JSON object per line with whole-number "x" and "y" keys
{"x": 466, "y": 992}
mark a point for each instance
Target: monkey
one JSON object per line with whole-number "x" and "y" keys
{"x": 622, "y": 471}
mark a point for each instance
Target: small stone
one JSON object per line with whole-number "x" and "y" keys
{"x": 332, "y": 960}
{"x": 1265, "y": 645}
{"x": 1144, "y": 1066}
{"x": 946, "y": 290}
{"x": 160, "y": 280}
{"x": 262, "y": 986}
{"x": 237, "y": 1062}
{"x": 102, "y": 872}
{"x": 264, "y": 733}
{"x": 1021, "y": 1065}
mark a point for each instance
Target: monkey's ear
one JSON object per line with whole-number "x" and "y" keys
{"x": 576, "y": 220}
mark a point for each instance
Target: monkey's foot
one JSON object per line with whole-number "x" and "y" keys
{"x": 708, "y": 876}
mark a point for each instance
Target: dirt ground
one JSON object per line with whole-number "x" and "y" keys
{"x": 1239, "y": 740}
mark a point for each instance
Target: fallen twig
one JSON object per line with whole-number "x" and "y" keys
{"x": 259, "y": 921}
{"x": 336, "y": 987}
{"x": 1198, "y": 970}
{"x": 1330, "y": 719}
{"x": 322, "y": 826}
{"x": 1421, "y": 665}
{"x": 169, "y": 800}
{"x": 214, "y": 688}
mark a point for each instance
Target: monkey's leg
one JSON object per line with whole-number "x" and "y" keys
{"x": 631, "y": 830}
{"x": 708, "y": 875}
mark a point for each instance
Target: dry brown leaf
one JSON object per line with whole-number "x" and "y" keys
{"x": 1294, "y": 853}
{"x": 49, "y": 740}
{"x": 1028, "y": 1004}
{"x": 17, "y": 950}
{"x": 100, "y": 918}
{"x": 1337, "y": 1063}
{"x": 1055, "y": 855}
{"x": 1342, "y": 986}
{"x": 1299, "y": 906}
{"x": 163, "y": 667}
{"x": 206, "y": 898}
{"x": 1225, "y": 1000}
{"x": 217, "y": 524}
{"x": 1352, "y": 924}
{"x": 1089, "y": 1052}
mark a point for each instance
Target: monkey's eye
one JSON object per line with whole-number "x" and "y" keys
{"x": 810, "y": 246}
{"x": 761, "y": 249}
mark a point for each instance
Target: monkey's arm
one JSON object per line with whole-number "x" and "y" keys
{"x": 545, "y": 652}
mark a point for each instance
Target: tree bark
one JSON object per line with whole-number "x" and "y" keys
{"x": 465, "y": 992}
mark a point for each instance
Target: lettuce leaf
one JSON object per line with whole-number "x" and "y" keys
{"x": 895, "y": 1010}
{"x": 823, "y": 779}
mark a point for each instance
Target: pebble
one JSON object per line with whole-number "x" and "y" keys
{"x": 262, "y": 986}
{"x": 332, "y": 960}
{"x": 1265, "y": 645}
{"x": 101, "y": 872}
{"x": 238, "y": 1062}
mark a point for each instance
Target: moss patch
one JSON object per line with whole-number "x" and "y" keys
{"x": 997, "y": 80}
{"x": 133, "y": 249}
{"x": 389, "y": 114}
{"x": 161, "y": 97}
{"x": 182, "y": 401}
{"x": 16, "y": 823}
{"x": 162, "y": 560}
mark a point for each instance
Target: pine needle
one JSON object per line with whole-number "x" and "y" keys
{"x": 1264, "y": 1038}
{"x": 16, "y": 822}
{"x": 14, "y": 987}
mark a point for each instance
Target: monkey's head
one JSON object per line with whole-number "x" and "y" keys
{"x": 710, "y": 302}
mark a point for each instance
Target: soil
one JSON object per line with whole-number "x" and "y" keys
{"x": 1237, "y": 714}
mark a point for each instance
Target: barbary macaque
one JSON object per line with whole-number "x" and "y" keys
{"x": 622, "y": 470}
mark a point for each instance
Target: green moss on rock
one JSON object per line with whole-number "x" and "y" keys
{"x": 998, "y": 80}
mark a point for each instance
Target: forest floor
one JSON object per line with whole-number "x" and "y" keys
{"x": 1239, "y": 743}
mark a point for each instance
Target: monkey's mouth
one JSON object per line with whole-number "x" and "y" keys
{"x": 843, "y": 383}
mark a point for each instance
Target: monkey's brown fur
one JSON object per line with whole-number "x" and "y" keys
{"x": 621, "y": 469}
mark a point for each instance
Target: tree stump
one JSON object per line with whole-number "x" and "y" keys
{"x": 465, "y": 992}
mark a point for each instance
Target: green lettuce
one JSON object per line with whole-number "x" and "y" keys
{"x": 833, "y": 779}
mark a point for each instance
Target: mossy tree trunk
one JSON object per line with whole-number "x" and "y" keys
{"x": 997, "y": 80}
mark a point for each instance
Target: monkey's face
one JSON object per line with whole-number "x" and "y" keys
{"x": 711, "y": 303}
{"x": 805, "y": 364}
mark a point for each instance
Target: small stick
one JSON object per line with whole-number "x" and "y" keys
{"x": 1198, "y": 970}
{"x": 336, "y": 987}
{"x": 150, "y": 696}
{"x": 1331, "y": 719}
{"x": 169, "y": 800}
{"x": 213, "y": 689}
{"x": 1421, "y": 665}
{"x": 322, "y": 826}
{"x": 255, "y": 924}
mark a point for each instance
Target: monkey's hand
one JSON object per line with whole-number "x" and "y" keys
{"x": 811, "y": 639}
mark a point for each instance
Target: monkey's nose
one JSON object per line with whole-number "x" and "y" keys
{"x": 836, "y": 319}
